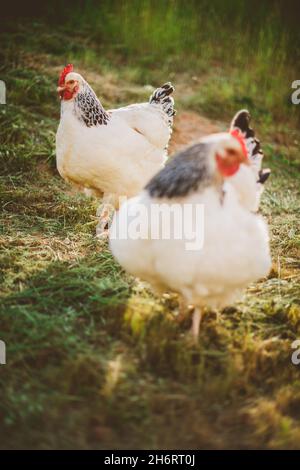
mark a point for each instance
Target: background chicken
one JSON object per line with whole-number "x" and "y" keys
{"x": 236, "y": 245}
{"x": 240, "y": 125}
{"x": 115, "y": 152}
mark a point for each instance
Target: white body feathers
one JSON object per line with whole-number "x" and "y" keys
{"x": 235, "y": 251}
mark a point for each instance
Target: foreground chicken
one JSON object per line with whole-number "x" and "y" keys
{"x": 192, "y": 229}
{"x": 114, "y": 153}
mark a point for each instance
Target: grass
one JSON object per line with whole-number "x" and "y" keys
{"x": 94, "y": 358}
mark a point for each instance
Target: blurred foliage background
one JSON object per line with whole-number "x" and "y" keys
{"x": 245, "y": 52}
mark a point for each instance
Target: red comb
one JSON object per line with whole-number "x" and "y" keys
{"x": 68, "y": 68}
{"x": 236, "y": 133}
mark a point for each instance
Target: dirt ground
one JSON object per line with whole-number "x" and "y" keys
{"x": 189, "y": 127}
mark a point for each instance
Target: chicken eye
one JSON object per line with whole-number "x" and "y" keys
{"x": 71, "y": 82}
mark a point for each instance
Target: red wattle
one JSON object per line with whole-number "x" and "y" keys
{"x": 67, "y": 95}
{"x": 225, "y": 169}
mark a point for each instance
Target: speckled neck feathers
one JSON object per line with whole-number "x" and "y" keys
{"x": 88, "y": 108}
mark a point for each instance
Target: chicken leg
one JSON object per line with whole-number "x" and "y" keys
{"x": 105, "y": 214}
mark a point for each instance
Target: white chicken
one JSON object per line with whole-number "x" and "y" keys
{"x": 215, "y": 175}
{"x": 115, "y": 152}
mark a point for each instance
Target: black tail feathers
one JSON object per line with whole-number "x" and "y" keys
{"x": 162, "y": 96}
{"x": 241, "y": 121}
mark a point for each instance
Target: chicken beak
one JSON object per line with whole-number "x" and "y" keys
{"x": 60, "y": 90}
